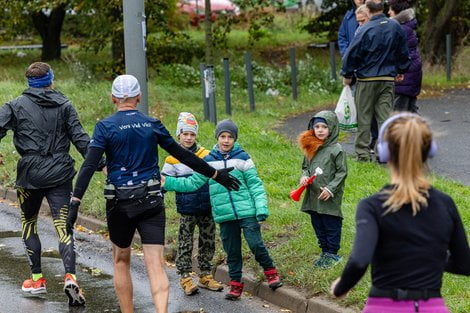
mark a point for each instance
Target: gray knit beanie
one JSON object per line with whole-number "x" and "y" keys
{"x": 226, "y": 126}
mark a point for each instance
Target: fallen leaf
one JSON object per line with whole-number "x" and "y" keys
{"x": 96, "y": 272}
{"x": 80, "y": 228}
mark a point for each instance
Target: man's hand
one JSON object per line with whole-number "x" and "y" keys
{"x": 303, "y": 180}
{"x": 347, "y": 81}
{"x": 72, "y": 214}
{"x": 399, "y": 77}
{"x": 223, "y": 177}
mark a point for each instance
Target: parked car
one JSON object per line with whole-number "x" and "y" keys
{"x": 195, "y": 9}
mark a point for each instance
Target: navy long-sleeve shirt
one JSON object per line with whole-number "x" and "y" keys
{"x": 379, "y": 49}
{"x": 406, "y": 251}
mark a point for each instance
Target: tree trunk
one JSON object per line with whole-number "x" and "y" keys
{"x": 208, "y": 31}
{"x": 437, "y": 26}
{"x": 49, "y": 27}
{"x": 117, "y": 37}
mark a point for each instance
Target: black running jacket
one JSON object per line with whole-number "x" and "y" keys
{"x": 44, "y": 123}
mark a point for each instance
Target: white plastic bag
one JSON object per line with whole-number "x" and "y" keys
{"x": 346, "y": 110}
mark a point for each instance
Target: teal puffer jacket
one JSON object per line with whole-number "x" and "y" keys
{"x": 249, "y": 201}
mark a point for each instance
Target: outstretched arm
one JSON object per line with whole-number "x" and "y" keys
{"x": 89, "y": 166}
{"x": 190, "y": 159}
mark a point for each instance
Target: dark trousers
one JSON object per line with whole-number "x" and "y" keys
{"x": 328, "y": 231}
{"x": 230, "y": 233}
{"x": 373, "y": 99}
{"x": 30, "y": 202}
{"x": 405, "y": 103}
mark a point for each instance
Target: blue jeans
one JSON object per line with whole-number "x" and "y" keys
{"x": 230, "y": 233}
{"x": 328, "y": 231}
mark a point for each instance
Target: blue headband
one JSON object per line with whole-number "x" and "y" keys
{"x": 41, "y": 81}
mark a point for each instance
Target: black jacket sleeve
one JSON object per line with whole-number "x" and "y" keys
{"x": 92, "y": 160}
{"x": 75, "y": 131}
{"x": 190, "y": 159}
{"x": 459, "y": 251}
{"x": 367, "y": 232}
{"x": 6, "y": 118}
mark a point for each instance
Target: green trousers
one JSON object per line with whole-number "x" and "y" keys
{"x": 373, "y": 98}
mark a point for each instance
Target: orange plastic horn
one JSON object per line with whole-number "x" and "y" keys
{"x": 297, "y": 193}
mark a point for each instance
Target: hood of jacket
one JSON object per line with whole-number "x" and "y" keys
{"x": 45, "y": 97}
{"x": 219, "y": 155}
{"x": 333, "y": 126}
{"x": 406, "y": 16}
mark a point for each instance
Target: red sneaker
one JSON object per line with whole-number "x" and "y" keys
{"x": 236, "y": 290}
{"x": 73, "y": 292}
{"x": 274, "y": 281}
{"x": 34, "y": 287}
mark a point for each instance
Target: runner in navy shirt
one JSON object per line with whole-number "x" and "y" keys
{"x": 134, "y": 200}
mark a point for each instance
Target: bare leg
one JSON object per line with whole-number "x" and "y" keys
{"x": 159, "y": 284}
{"x": 123, "y": 279}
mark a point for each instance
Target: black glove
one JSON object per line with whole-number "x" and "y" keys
{"x": 72, "y": 215}
{"x": 227, "y": 180}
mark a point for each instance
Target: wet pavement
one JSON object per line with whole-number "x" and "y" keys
{"x": 94, "y": 273}
{"x": 450, "y": 121}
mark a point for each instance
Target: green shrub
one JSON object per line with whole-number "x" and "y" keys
{"x": 182, "y": 75}
{"x": 170, "y": 47}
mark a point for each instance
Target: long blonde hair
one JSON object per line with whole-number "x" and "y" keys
{"x": 409, "y": 140}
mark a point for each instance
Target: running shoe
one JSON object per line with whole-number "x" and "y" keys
{"x": 35, "y": 287}
{"x": 73, "y": 291}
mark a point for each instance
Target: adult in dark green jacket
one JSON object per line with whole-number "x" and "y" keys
{"x": 324, "y": 196}
{"x": 44, "y": 123}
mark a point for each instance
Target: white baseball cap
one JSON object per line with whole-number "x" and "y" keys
{"x": 125, "y": 86}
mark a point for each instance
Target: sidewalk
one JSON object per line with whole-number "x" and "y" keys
{"x": 284, "y": 297}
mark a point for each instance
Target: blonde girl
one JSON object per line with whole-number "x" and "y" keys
{"x": 409, "y": 231}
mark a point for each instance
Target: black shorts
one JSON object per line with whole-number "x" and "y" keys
{"x": 147, "y": 215}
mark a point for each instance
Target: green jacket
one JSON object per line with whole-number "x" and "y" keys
{"x": 331, "y": 158}
{"x": 249, "y": 201}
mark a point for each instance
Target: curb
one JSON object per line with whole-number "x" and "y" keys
{"x": 284, "y": 297}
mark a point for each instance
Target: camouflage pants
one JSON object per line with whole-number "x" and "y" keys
{"x": 206, "y": 243}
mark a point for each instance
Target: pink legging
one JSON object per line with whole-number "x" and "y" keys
{"x": 387, "y": 305}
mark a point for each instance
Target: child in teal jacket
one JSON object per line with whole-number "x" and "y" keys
{"x": 235, "y": 211}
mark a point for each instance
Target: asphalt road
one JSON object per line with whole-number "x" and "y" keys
{"x": 94, "y": 273}
{"x": 450, "y": 121}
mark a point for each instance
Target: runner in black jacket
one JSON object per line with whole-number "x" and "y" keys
{"x": 409, "y": 231}
{"x": 44, "y": 123}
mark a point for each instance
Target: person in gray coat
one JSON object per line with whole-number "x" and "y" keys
{"x": 44, "y": 123}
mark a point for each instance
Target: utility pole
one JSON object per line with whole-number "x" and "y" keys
{"x": 135, "y": 48}
{"x": 209, "y": 71}
{"x": 208, "y": 31}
